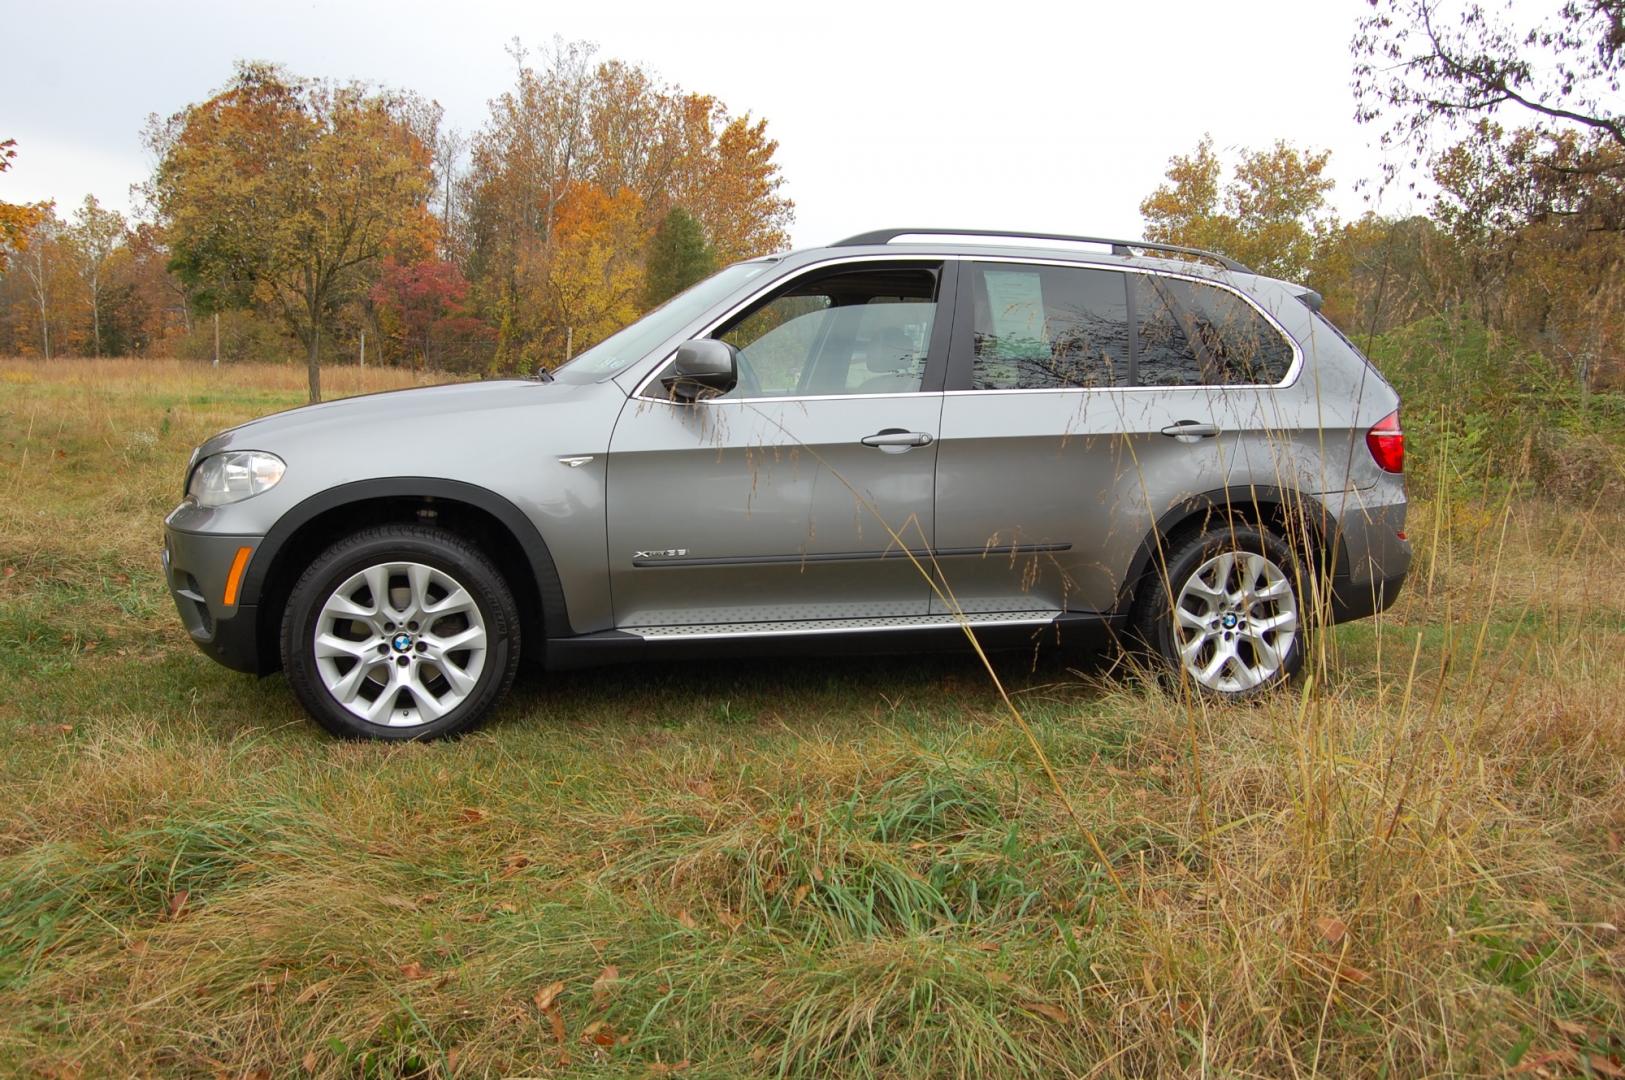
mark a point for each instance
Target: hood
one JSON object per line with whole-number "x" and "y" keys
{"x": 394, "y": 413}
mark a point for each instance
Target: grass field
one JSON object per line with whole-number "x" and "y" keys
{"x": 795, "y": 867}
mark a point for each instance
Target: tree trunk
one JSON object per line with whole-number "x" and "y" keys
{"x": 315, "y": 363}
{"x": 96, "y": 316}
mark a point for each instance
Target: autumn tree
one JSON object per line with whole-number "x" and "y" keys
{"x": 17, "y": 221}
{"x": 678, "y": 257}
{"x": 612, "y": 135}
{"x": 39, "y": 256}
{"x": 283, "y": 194}
{"x": 1430, "y": 67}
{"x": 1269, "y": 215}
{"x": 414, "y": 299}
{"x": 1519, "y": 120}
{"x": 93, "y": 239}
{"x": 594, "y": 275}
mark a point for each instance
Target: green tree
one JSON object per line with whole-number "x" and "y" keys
{"x": 283, "y": 194}
{"x": 678, "y": 257}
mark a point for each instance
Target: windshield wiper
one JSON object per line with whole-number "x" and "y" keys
{"x": 541, "y": 374}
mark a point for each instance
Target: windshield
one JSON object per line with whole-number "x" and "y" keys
{"x": 624, "y": 347}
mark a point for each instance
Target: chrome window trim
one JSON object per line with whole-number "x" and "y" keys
{"x": 1294, "y": 369}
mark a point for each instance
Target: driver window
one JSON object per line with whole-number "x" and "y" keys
{"x": 856, "y": 331}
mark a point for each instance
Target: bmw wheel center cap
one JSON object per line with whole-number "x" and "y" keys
{"x": 1229, "y": 623}
{"x": 401, "y": 642}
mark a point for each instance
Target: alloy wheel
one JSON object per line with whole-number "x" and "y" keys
{"x": 1235, "y": 621}
{"x": 400, "y": 644}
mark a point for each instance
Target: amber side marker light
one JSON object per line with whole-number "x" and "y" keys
{"x": 235, "y": 578}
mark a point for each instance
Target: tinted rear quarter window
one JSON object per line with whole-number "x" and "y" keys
{"x": 1193, "y": 334}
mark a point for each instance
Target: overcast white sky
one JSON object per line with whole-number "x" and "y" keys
{"x": 1006, "y": 114}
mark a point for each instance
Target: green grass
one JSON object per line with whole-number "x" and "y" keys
{"x": 800, "y": 867}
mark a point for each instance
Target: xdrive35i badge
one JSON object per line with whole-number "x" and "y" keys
{"x": 663, "y": 553}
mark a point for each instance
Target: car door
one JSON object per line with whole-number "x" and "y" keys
{"x": 799, "y": 495}
{"x": 1065, "y": 436}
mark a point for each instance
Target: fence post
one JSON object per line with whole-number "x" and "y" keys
{"x": 363, "y": 348}
{"x": 217, "y": 339}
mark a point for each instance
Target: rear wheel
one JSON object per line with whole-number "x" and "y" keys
{"x": 1228, "y": 616}
{"x": 400, "y": 632}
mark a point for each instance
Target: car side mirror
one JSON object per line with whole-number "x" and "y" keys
{"x": 704, "y": 367}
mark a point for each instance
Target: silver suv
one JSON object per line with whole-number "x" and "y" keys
{"x": 867, "y": 444}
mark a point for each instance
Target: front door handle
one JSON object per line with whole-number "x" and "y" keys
{"x": 896, "y": 440}
{"x": 1191, "y": 430}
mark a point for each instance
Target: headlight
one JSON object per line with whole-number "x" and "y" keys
{"x": 234, "y": 476}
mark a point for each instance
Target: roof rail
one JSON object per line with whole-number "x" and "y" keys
{"x": 1119, "y": 247}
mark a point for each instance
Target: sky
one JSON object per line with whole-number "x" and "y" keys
{"x": 1051, "y": 117}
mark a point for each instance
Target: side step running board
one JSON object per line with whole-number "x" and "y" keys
{"x": 838, "y": 626}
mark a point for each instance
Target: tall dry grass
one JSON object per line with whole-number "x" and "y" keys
{"x": 1409, "y": 866}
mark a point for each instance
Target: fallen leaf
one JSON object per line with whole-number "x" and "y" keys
{"x": 10, "y": 571}
{"x": 177, "y": 904}
{"x": 598, "y": 1032}
{"x": 687, "y": 920}
{"x": 514, "y": 863}
{"x": 800, "y": 895}
{"x": 1331, "y": 929}
{"x": 602, "y": 985}
{"x": 1603, "y": 1066}
{"x": 474, "y": 815}
{"x": 662, "y": 1068}
{"x": 556, "y": 1019}
{"x": 507, "y": 907}
{"x": 1569, "y": 1028}
{"x": 309, "y": 1061}
{"x": 66, "y": 729}
{"x": 729, "y": 919}
{"x": 545, "y": 997}
{"x": 818, "y": 873}
{"x": 399, "y": 902}
{"x": 1046, "y": 1010}
{"x": 1352, "y": 974}
{"x": 414, "y": 970}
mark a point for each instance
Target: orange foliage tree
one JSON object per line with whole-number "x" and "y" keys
{"x": 282, "y": 194}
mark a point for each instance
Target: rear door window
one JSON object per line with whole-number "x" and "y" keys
{"x": 1047, "y": 327}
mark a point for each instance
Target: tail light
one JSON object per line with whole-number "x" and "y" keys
{"x": 1387, "y": 443}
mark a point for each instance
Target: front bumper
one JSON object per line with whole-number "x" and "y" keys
{"x": 198, "y": 568}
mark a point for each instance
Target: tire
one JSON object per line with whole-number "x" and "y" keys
{"x": 1229, "y": 618}
{"x": 367, "y": 670}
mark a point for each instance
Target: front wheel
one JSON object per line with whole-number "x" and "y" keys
{"x": 1228, "y": 616}
{"x": 400, "y": 632}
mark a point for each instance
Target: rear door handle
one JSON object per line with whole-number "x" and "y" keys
{"x": 1191, "y": 430}
{"x": 896, "y": 440}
